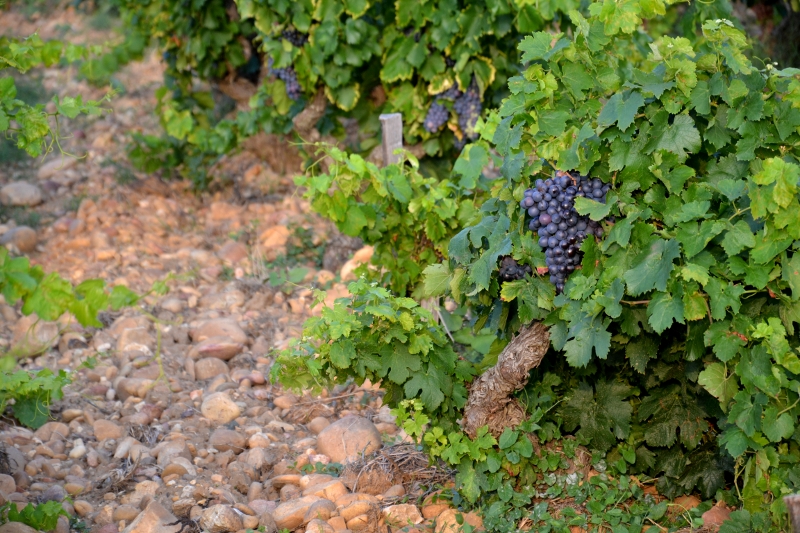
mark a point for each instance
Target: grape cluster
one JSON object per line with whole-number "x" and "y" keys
{"x": 551, "y": 208}
{"x": 468, "y": 108}
{"x": 438, "y": 114}
{"x": 295, "y": 37}
{"x": 436, "y": 118}
{"x": 289, "y": 77}
{"x": 510, "y": 270}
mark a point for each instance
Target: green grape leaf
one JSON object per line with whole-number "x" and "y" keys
{"x": 679, "y": 137}
{"x": 588, "y": 334}
{"x": 594, "y": 209}
{"x": 621, "y": 110}
{"x": 470, "y": 165}
{"x": 718, "y": 383}
{"x": 664, "y": 309}
{"x": 603, "y": 416}
{"x": 669, "y": 413}
{"x": 640, "y": 351}
{"x": 737, "y": 238}
{"x": 652, "y": 268}
{"x": 427, "y": 387}
{"x": 777, "y": 427}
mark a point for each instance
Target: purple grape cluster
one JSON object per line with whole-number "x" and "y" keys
{"x": 468, "y": 108}
{"x": 436, "y": 118}
{"x": 295, "y": 37}
{"x": 289, "y": 77}
{"x": 510, "y": 270}
{"x": 438, "y": 114}
{"x": 551, "y": 208}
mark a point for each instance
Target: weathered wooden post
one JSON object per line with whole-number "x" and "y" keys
{"x": 392, "y": 129}
{"x": 793, "y": 505}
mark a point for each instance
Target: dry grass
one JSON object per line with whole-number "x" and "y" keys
{"x": 402, "y": 464}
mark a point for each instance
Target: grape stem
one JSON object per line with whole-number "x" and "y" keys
{"x": 635, "y": 302}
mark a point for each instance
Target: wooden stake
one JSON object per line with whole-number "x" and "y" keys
{"x": 392, "y": 128}
{"x": 793, "y": 505}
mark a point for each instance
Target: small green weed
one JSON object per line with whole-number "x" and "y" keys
{"x": 333, "y": 469}
{"x": 23, "y": 216}
{"x": 41, "y": 517}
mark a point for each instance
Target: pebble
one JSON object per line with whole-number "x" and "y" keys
{"x": 54, "y": 493}
{"x": 221, "y": 347}
{"x": 209, "y": 367}
{"x": 220, "y": 519}
{"x": 219, "y": 407}
{"x": 450, "y": 521}
{"x": 219, "y": 328}
{"x": 125, "y": 512}
{"x": 290, "y": 515}
{"x": 7, "y": 484}
{"x": 83, "y": 508}
{"x": 226, "y": 439}
{"x": 106, "y": 429}
{"x": 347, "y": 437}
{"x": 403, "y": 514}
{"x": 154, "y": 519}
{"x": 23, "y": 238}
{"x": 21, "y": 193}
{"x": 317, "y": 424}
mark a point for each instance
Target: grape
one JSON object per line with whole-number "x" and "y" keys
{"x": 510, "y": 270}
{"x": 551, "y": 208}
{"x": 295, "y": 37}
{"x": 439, "y": 114}
{"x": 468, "y": 108}
{"x": 289, "y": 77}
{"x": 436, "y": 118}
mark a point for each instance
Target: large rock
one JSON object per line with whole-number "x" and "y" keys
{"x": 347, "y": 437}
{"x": 220, "y": 519}
{"x": 219, "y": 408}
{"x": 290, "y": 515}
{"x": 23, "y": 238}
{"x": 154, "y": 519}
{"x": 21, "y": 193}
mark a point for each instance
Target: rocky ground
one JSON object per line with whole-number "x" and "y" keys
{"x": 209, "y": 444}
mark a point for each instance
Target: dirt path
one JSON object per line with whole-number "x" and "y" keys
{"x": 211, "y": 445}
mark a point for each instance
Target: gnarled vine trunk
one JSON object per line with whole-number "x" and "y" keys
{"x": 490, "y": 399}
